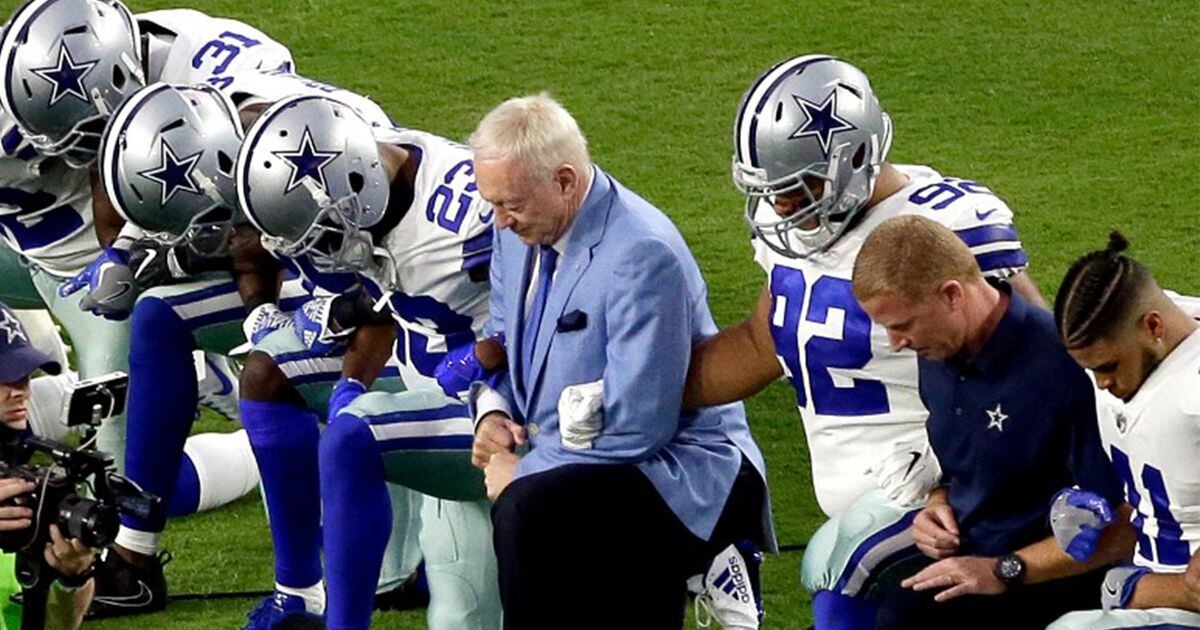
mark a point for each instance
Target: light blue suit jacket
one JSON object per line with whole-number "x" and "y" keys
{"x": 628, "y": 271}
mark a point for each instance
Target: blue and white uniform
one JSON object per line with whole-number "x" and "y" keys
{"x": 858, "y": 399}
{"x": 445, "y": 235}
{"x": 46, "y": 207}
{"x": 439, "y": 298}
{"x": 1152, "y": 441}
{"x": 182, "y": 47}
{"x": 422, "y": 436}
{"x": 208, "y": 312}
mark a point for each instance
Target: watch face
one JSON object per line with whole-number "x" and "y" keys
{"x": 1011, "y": 568}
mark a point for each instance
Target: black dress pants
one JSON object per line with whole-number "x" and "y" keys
{"x": 595, "y": 546}
{"x": 1031, "y": 606}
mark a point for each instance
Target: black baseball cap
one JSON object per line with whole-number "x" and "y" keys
{"x": 18, "y": 359}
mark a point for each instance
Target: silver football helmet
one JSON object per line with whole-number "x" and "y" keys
{"x": 810, "y": 129}
{"x": 309, "y": 176}
{"x": 67, "y": 64}
{"x": 167, "y": 162}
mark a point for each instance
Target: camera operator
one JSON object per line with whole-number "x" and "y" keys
{"x": 72, "y": 592}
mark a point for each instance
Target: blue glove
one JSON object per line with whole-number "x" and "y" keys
{"x": 344, "y": 393}
{"x": 315, "y": 327}
{"x": 1078, "y": 517}
{"x": 109, "y": 281}
{"x": 1119, "y": 585}
{"x": 460, "y": 368}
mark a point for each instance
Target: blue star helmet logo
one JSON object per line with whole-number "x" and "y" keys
{"x": 173, "y": 173}
{"x": 307, "y": 162}
{"x": 67, "y": 77}
{"x": 822, "y": 122}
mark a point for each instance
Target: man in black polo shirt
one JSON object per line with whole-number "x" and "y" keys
{"x": 1012, "y": 420}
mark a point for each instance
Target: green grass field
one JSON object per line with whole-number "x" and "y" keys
{"x": 1083, "y": 115}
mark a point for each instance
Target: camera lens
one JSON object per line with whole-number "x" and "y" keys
{"x": 92, "y": 522}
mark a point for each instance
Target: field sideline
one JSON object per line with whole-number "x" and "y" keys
{"x": 1083, "y": 116}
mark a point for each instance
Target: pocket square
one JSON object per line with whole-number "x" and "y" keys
{"x": 575, "y": 320}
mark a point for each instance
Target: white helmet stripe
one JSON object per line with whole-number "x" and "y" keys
{"x": 754, "y": 101}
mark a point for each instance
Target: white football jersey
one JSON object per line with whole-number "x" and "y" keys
{"x": 263, "y": 88}
{"x": 857, "y": 398}
{"x": 46, "y": 206}
{"x": 187, "y": 46}
{"x": 1153, "y": 441}
{"x": 1189, "y": 304}
{"x": 445, "y": 234}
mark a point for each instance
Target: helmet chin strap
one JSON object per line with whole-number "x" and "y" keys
{"x": 134, "y": 68}
{"x": 100, "y": 103}
{"x": 391, "y": 278}
{"x": 209, "y": 188}
{"x": 318, "y": 194}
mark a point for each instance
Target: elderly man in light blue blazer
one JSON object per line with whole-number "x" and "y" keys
{"x": 620, "y": 495}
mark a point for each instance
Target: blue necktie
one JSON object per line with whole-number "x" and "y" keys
{"x": 533, "y": 318}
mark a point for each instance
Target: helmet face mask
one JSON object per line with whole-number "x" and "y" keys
{"x": 79, "y": 147}
{"x": 333, "y": 242}
{"x": 810, "y": 129}
{"x": 67, "y": 65}
{"x": 210, "y": 232}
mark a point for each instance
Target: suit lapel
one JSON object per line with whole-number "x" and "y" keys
{"x": 588, "y": 230}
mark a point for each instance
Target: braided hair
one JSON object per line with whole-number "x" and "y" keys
{"x": 1098, "y": 293}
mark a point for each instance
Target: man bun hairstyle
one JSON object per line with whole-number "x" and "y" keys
{"x": 1100, "y": 292}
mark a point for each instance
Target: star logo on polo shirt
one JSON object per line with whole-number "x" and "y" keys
{"x": 67, "y": 77}
{"x": 307, "y": 162}
{"x": 996, "y": 418}
{"x": 822, "y": 122}
{"x": 174, "y": 173}
{"x": 11, "y": 328}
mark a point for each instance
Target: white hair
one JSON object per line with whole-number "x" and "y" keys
{"x": 536, "y": 131}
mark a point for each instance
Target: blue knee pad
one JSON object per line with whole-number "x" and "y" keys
{"x": 161, "y": 402}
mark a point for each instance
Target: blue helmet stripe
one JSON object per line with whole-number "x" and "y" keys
{"x": 756, "y": 99}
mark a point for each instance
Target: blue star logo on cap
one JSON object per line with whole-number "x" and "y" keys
{"x": 307, "y": 162}
{"x": 822, "y": 122}
{"x": 174, "y": 174}
{"x": 67, "y": 77}
{"x": 11, "y": 327}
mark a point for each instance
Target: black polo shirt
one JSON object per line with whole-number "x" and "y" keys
{"x": 1012, "y": 426}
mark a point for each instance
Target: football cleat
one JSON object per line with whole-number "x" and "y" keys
{"x": 280, "y": 611}
{"x": 728, "y": 592}
{"x": 123, "y": 588}
{"x": 219, "y": 388}
{"x": 411, "y": 594}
